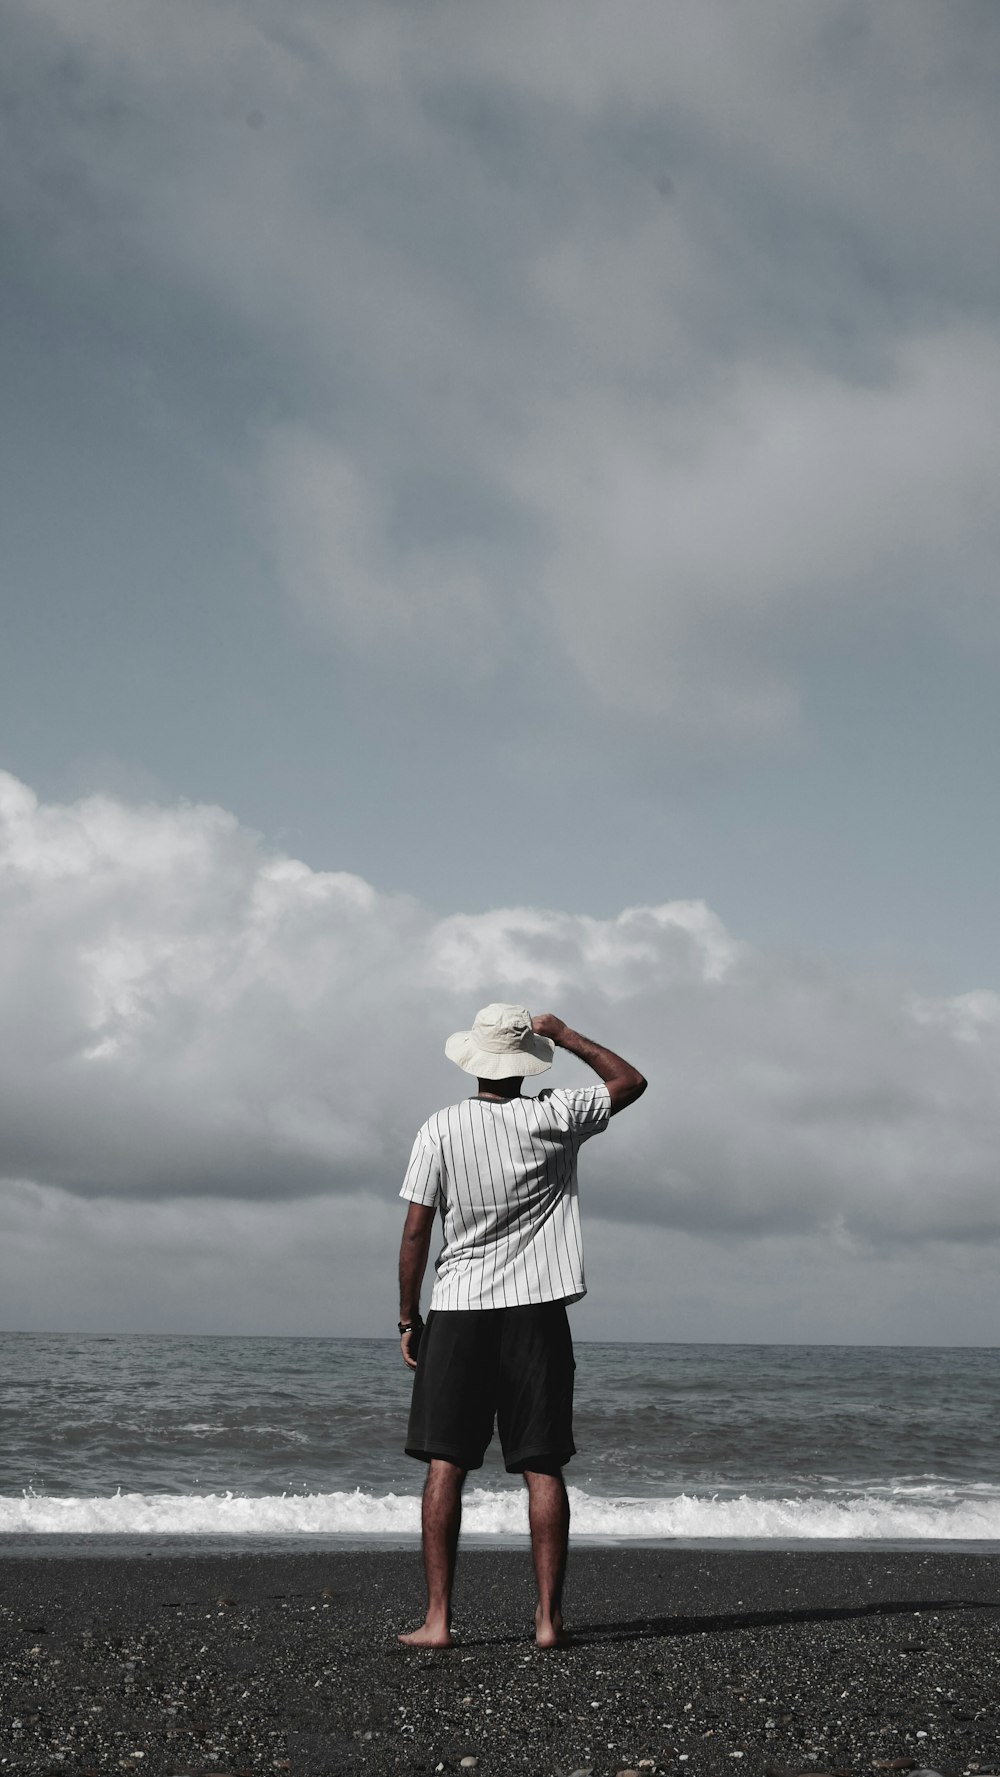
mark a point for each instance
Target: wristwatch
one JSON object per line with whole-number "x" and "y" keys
{"x": 407, "y": 1326}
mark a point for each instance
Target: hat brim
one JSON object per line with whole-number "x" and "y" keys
{"x": 532, "y": 1057}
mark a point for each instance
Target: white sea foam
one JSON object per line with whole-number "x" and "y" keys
{"x": 282, "y": 1432}
{"x": 913, "y": 1513}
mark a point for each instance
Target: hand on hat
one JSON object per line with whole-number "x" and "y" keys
{"x": 548, "y": 1025}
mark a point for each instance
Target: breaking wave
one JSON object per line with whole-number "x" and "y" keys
{"x": 914, "y": 1513}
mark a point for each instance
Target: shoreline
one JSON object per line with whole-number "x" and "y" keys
{"x": 697, "y": 1659}
{"x": 173, "y": 1545}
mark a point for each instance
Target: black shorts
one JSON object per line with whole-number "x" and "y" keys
{"x": 512, "y": 1364}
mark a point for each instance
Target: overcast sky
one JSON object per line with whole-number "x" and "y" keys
{"x": 500, "y": 502}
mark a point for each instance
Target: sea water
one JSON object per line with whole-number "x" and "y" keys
{"x": 268, "y": 1439}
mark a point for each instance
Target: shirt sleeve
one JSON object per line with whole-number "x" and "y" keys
{"x": 422, "y": 1183}
{"x": 587, "y": 1109}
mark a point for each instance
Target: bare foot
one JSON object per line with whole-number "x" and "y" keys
{"x": 549, "y": 1631}
{"x": 428, "y": 1635}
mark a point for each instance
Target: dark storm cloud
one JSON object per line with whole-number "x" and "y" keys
{"x": 515, "y": 310}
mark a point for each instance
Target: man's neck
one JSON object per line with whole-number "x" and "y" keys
{"x": 500, "y": 1089}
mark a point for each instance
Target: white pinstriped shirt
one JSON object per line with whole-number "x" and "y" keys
{"x": 503, "y": 1173}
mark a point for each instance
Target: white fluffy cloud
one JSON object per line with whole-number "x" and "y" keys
{"x": 330, "y": 531}
{"x": 691, "y": 565}
{"x": 185, "y": 1013}
{"x": 688, "y": 566}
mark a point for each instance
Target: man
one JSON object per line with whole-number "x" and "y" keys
{"x": 502, "y": 1170}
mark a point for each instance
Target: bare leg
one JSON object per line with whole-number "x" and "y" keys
{"x": 548, "y": 1517}
{"x": 441, "y": 1517}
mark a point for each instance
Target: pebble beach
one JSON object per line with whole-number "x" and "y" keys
{"x": 682, "y": 1661}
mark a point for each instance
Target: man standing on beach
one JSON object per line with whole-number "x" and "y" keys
{"x": 502, "y": 1170}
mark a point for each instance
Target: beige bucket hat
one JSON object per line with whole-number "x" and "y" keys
{"x": 500, "y": 1044}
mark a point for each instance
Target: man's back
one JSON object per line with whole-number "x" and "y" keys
{"x": 504, "y": 1175}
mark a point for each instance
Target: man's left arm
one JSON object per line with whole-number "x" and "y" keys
{"x": 413, "y": 1250}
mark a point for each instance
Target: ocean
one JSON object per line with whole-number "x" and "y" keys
{"x": 196, "y": 1440}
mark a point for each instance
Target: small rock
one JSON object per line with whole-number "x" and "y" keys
{"x": 896, "y": 1764}
{"x": 468, "y": 1762}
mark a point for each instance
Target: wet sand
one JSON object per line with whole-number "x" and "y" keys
{"x": 699, "y": 1661}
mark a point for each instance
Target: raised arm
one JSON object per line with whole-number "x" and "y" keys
{"x": 413, "y": 1251}
{"x": 624, "y": 1082}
